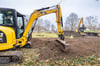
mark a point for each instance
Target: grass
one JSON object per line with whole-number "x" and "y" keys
{"x": 31, "y": 59}
{"x": 47, "y": 35}
{"x": 96, "y": 31}
{"x": 44, "y": 35}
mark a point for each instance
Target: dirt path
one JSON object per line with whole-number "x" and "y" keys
{"x": 49, "y": 48}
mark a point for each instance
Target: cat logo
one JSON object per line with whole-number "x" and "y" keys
{"x": 43, "y": 13}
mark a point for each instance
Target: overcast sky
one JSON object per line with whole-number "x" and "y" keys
{"x": 81, "y": 7}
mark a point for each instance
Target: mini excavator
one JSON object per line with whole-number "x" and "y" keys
{"x": 14, "y": 34}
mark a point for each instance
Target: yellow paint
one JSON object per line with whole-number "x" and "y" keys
{"x": 81, "y": 21}
{"x": 10, "y": 37}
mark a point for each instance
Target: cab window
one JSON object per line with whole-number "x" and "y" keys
{"x": 1, "y": 19}
{"x": 6, "y": 17}
{"x": 20, "y": 25}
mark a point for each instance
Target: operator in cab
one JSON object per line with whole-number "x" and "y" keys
{"x": 8, "y": 20}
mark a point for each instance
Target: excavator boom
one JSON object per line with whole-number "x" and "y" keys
{"x": 44, "y": 11}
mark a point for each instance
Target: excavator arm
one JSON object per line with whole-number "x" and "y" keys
{"x": 81, "y": 21}
{"x": 44, "y": 11}
{"x": 80, "y": 29}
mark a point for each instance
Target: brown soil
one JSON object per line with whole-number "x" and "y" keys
{"x": 49, "y": 48}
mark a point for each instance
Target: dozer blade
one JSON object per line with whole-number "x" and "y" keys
{"x": 9, "y": 57}
{"x": 65, "y": 46}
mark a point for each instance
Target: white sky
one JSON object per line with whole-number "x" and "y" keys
{"x": 81, "y": 7}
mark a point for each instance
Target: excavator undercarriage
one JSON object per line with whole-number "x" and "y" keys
{"x": 8, "y": 57}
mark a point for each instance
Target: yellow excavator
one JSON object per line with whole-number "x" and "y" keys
{"x": 14, "y": 34}
{"x": 81, "y": 30}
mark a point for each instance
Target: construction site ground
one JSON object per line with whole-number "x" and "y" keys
{"x": 48, "y": 49}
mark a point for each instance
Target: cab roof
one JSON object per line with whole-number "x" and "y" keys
{"x": 4, "y": 9}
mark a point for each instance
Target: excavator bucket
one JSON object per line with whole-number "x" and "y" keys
{"x": 65, "y": 46}
{"x": 9, "y": 57}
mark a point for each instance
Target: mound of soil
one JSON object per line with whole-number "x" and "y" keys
{"x": 50, "y": 48}
{"x": 37, "y": 43}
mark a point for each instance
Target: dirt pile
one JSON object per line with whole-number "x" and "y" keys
{"x": 49, "y": 48}
{"x": 37, "y": 43}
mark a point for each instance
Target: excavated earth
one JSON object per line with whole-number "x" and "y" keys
{"x": 81, "y": 46}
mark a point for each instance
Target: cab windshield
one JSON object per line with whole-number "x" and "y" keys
{"x": 6, "y": 17}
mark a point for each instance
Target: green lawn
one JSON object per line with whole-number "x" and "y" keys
{"x": 47, "y": 35}
{"x": 96, "y": 31}
{"x": 44, "y": 35}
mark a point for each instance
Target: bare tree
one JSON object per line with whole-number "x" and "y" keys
{"x": 97, "y": 0}
{"x": 71, "y": 21}
{"x": 92, "y": 22}
{"x": 98, "y": 26}
{"x": 47, "y": 25}
{"x": 38, "y": 26}
{"x": 53, "y": 28}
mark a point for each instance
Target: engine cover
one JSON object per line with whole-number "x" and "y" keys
{"x": 7, "y": 38}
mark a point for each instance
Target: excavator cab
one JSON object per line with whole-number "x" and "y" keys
{"x": 11, "y": 28}
{"x": 82, "y": 29}
{"x": 12, "y": 18}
